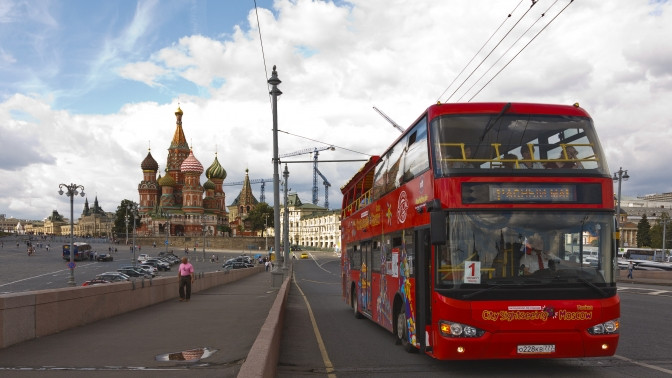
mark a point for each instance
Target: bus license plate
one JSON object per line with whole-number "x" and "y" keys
{"x": 536, "y": 349}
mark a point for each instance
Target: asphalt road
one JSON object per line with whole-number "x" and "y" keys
{"x": 46, "y": 269}
{"x": 349, "y": 347}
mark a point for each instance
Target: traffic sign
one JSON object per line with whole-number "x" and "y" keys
{"x": 166, "y": 242}
{"x": 72, "y": 265}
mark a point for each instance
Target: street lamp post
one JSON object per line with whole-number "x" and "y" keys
{"x": 134, "y": 209}
{"x": 274, "y": 81}
{"x": 203, "y": 227}
{"x": 619, "y": 176}
{"x": 71, "y": 191}
{"x": 266, "y": 233}
{"x": 285, "y": 225}
{"x": 126, "y": 219}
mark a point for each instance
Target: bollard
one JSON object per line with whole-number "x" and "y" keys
{"x": 276, "y": 278}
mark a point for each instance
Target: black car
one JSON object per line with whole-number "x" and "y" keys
{"x": 237, "y": 265}
{"x": 134, "y": 272}
{"x": 159, "y": 265}
{"x": 104, "y": 257}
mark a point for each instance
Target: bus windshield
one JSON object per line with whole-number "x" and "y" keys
{"x": 513, "y": 142}
{"x": 526, "y": 249}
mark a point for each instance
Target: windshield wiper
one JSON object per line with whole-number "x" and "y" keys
{"x": 599, "y": 289}
{"x": 508, "y": 283}
{"x": 493, "y": 121}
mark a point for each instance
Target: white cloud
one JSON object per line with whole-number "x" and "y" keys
{"x": 146, "y": 72}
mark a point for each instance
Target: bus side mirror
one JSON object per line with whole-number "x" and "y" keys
{"x": 437, "y": 227}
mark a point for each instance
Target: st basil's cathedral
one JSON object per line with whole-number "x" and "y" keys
{"x": 176, "y": 201}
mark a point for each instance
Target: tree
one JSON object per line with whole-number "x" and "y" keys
{"x": 643, "y": 232}
{"x": 120, "y": 218}
{"x": 259, "y": 216}
{"x": 657, "y": 232}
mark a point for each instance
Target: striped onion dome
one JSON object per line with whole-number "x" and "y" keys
{"x": 215, "y": 170}
{"x": 167, "y": 180}
{"x": 190, "y": 164}
{"x": 149, "y": 164}
{"x": 209, "y": 185}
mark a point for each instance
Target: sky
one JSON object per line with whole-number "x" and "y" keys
{"x": 88, "y": 87}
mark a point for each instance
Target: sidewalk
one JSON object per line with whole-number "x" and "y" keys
{"x": 225, "y": 319}
{"x": 646, "y": 277}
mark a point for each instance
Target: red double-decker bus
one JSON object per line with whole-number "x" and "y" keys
{"x": 466, "y": 238}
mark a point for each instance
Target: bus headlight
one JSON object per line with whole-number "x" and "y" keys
{"x": 452, "y": 329}
{"x": 605, "y": 328}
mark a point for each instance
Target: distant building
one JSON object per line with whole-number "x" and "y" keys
{"x": 634, "y": 208}
{"x": 241, "y": 207}
{"x": 177, "y": 203}
{"x": 311, "y": 225}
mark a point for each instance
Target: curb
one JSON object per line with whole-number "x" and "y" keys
{"x": 262, "y": 360}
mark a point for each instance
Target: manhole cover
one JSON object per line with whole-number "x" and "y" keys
{"x": 191, "y": 355}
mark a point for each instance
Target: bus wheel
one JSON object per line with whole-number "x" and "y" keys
{"x": 402, "y": 333}
{"x": 355, "y": 305}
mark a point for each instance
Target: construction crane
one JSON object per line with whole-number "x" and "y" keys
{"x": 326, "y": 184}
{"x": 263, "y": 182}
{"x": 315, "y": 151}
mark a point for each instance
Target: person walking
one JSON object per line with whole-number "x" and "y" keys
{"x": 185, "y": 275}
{"x": 630, "y": 268}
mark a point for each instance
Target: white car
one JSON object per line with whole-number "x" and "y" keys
{"x": 149, "y": 268}
{"x": 142, "y": 257}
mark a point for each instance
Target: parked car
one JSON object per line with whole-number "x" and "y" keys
{"x": 113, "y": 277}
{"x": 237, "y": 265}
{"x": 151, "y": 268}
{"x": 148, "y": 270}
{"x": 105, "y": 257}
{"x": 160, "y": 265}
{"x": 134, "y": 272}
{"x": 95, "y": 281}
{"x": 142, "y": 257}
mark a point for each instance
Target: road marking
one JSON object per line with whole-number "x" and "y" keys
{"x": 663, "y": 370}
{"x": 39, "y": 275}
{"x": 323, "y": 350}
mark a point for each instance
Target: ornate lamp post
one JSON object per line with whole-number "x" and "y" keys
{"x": 619, "y": 176}
{"x": 134, "y": 214}
{"x": 126, "y": 220}
{"x": 204, "y": 228}
{"x": 71, "y": 191}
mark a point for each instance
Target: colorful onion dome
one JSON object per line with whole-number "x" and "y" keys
{"x": 190, "y": 164}
{"x": 149, "y": 164}
{"x": 209, "y": 185}
{"x": 167, "y": 180}
{"x": 216, "y": 170}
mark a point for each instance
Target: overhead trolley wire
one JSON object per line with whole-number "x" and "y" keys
{"x": 478, "y": 52}
{"x": 319, "y": 141}
{"x": 521, "y": 50}
{"x": 534, "y": 2}
{"x": 263, "y": 55}
{"x": 507, "y": 51}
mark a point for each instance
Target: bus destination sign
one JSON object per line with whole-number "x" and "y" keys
{"x": 523, "y": 192}
{"x": 529, "y": 192}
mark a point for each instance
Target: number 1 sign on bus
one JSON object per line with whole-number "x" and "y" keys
{"x": 461, "y": 238}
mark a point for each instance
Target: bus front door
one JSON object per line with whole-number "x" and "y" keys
{"x": 422, "y": 286}
{"x": 366, "y": 273}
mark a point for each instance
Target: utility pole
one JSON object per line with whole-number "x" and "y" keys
{"x": 274, "y": 81}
